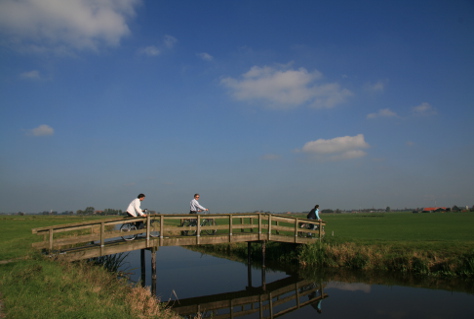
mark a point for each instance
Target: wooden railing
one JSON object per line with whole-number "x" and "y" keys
{"x": 104, "y": 236}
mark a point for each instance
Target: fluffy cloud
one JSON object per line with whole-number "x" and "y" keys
{"x": 382, "y": 113}
{"x": 42, "y": 130}
{"x": 61, "y": 26}
{"x": 280, "y": 87}
{"x": 345, "y": 147}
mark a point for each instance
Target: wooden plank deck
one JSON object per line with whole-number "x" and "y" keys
{"x": 103, "y": 237}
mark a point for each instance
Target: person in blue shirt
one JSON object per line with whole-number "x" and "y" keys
{"x": 314, "y": 214}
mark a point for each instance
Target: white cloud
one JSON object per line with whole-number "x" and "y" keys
{"x": 205, "y": 56}
{"x": 345, "y": 147}
{"x": 280, "y": 87}
{"x": 150, "y": 51}
{"x": 31, "y": 75}
{"x": 382, "y": 113}
{"x": 424, "y": 109}
{"x": 64, "y": 26}
{"x": 42, "y": 130}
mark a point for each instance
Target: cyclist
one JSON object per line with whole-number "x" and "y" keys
{"x": 195, "y": 207}
{"x": 313, "y": 214}
{"x": 134, "y": 209}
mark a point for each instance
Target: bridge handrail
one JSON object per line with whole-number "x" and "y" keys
{"x": 263, "y": 226}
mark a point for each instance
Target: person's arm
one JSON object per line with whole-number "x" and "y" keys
{"x": 196, "y": 204}
{"x": 317, "y": 214}
{"x": 138, "y": 209}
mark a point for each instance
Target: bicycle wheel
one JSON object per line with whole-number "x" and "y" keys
{"x": 127, "y": 228}
{"x": 154, "y": 228}
{"x": 209, "y": 222}
{"x": 191, "y": 225}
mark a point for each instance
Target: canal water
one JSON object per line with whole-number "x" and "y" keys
{"x": 221, "y": 288}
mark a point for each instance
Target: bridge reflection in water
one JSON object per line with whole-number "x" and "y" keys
{"x": 269, "y": 300}
{"x": 279, "y": 298}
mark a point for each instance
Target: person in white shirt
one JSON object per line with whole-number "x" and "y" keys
{"x": 195, "y": 207}
{"x": 134, "y": 209}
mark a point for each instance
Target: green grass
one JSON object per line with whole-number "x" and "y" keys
{"x": 440, "y": 244}
{"x": 15, "y": 232}
{"x": 32, "y": 286}
{"x": 376, "y": 228}
{"x": 41, "y": 288}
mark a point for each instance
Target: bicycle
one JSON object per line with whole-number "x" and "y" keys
{"x": 131, "y": 226}
{"x": 193, "y": 223}
{"x": 310, "y": 227}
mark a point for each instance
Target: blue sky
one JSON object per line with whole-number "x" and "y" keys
{"x": 256, "y": 105}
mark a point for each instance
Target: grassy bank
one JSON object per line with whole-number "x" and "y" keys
{"x": 34, "y": 287}
{"x": 39, "y": 288}
{"x": 437, "y": 244}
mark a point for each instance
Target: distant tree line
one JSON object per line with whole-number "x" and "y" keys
{"x": 91, "y": 211}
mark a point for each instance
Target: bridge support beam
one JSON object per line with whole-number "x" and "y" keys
{"x": 249, "y": 264}
{"x": 153, "y": 270}
{"x": 143, "y": 266}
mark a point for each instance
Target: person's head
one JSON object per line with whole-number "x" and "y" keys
{"x": 196, "y": 196}
{"x": 141, "y": 196}
{"x": 316, "y": 207}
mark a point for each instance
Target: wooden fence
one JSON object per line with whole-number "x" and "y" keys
{"x": 103, "y": 237}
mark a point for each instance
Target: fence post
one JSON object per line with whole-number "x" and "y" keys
{"x": 230, "y": 228}
{"x": 162, "y": 228}
{"x": 148, "y": 230}
{"x": 198, "y": 231}
{"x": 269, "y": 226}
{"x": 296, "y": 230}
{"x": 102, "y": 236}
{"x": 51, "y": 239}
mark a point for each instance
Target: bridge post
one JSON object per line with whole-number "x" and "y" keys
{"x": 142, "y": 267}
{"x": 102, "y": 236}
{"x": 264, "y": 283}
{"x": 230, "y": 228}
{"x": 153, "y": 270}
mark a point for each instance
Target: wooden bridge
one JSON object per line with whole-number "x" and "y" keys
{"x": 104, "y": 237}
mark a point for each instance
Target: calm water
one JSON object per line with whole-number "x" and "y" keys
{"x": 191, "y": 280}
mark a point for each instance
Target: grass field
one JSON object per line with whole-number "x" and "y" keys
{"x": 15, "y": 231}
{"x": 449, "y": 232}
{"x": 427, "y": 244}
